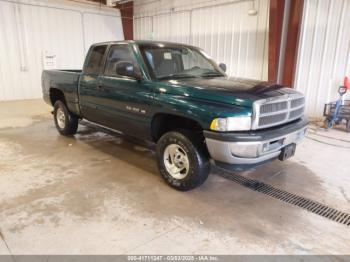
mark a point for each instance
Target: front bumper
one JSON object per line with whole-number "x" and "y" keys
{"x": 253, "y": 147}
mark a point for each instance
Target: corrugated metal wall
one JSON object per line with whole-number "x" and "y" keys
{"x": 30, "y": 29}
{"x": 224, "y": 30}
{"x": 324, "y": 52}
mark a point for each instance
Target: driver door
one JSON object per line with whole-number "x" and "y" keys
{"x": 125, "y": 101}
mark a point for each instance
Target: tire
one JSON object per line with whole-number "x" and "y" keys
{"x": 348, "y": 126}
{"x": 66, "y": 123}
{"x": 328, "y": 124}
{"x": 196, "y": 168}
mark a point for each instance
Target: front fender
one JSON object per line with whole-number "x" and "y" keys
{"x": 201, "y": 111}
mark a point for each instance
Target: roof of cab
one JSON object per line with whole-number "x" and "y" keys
{"x": 142, "y": 42}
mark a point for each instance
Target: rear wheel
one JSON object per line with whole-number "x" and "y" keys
{"x": 328, "y": 124}
{"x": 182, "y": 160}
{"x": 66, "y": 123}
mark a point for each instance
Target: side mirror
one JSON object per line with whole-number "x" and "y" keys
{"x": 223, "y": 67}
{"x": 128, "y": 69}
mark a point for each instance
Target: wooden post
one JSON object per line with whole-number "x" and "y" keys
{"x": 127, "y": 13}
{"x": 275, "y": 34}
{"x": 291, "y": 56}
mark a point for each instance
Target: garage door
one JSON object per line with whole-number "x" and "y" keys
{"x": 226, "y": 31}
{"x": 37, "y": 35}
{"x": 324, "y": 52}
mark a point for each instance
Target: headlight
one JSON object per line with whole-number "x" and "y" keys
{"x": 231, "y": 124}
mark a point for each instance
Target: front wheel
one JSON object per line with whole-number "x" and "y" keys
{"x": 182, "y": 160}
{"x": 66, "y": 123}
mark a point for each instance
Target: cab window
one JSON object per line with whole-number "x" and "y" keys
{"x": 95, "y": 60}
{"x": 168, "y": 62}
{"x": 117, "y": 54}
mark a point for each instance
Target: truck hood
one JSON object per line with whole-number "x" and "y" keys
{"x": 235, "y": 91}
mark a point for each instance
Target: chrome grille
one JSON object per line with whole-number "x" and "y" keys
{"x": 268, "y": 120}
{"x": 296, "y": 113}
{"x": 278, "y": 110}
{"x": 269, "y": 108}
{"x": 297, "y": 102}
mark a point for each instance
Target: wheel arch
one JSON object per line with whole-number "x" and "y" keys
{"x": 165, "y": 122}
{"x": 55, "y": 95}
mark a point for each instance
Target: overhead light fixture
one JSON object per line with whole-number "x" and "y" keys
{"x": 252, "y": 11}
{"x": 111, "y": 3}
{"x": 116, "y": 2}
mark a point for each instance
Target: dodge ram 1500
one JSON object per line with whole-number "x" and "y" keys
{"x": 176, "y": 96}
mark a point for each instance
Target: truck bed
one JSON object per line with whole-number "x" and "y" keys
{"x": 66, "y": 81}
{"x": 68, "y": 70}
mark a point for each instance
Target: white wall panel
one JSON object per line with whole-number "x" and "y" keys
{"x": 224, "y": 30}
{"x": 8, "y": 50}
{"x": 172, "y": 27}
{"x": 143, "y": 28}
{"x": 324, "y": 52}
{"x": 29, "y": 28}
{"x": 99, "y": 28}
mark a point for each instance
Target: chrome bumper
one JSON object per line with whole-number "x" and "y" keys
{"x": 252, "y": 152}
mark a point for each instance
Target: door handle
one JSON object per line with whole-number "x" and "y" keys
{"x": 100, "y": 87}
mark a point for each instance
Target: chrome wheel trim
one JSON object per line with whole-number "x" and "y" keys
{"x": 176, "y": 161}
{"x": 61, "y": 118}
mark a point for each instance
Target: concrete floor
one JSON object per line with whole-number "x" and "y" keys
{"x": 98, "y": 193}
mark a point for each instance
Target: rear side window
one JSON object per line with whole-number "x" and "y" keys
{"x": 95, "y": 60}
{"x": 116, "y": 54}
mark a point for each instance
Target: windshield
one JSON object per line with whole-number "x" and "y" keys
{"x": 166, "y": 62}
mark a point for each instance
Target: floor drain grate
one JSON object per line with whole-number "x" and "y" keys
{"x": 307, "y": 204}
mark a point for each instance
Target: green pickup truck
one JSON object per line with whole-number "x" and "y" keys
{"x": 176, "y": 96}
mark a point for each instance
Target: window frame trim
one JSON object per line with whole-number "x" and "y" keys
{"x": 89, "y": 56}
{"x": 103, "y": 73}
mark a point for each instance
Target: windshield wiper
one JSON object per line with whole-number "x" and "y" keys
{"x": 172, "y": 76}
